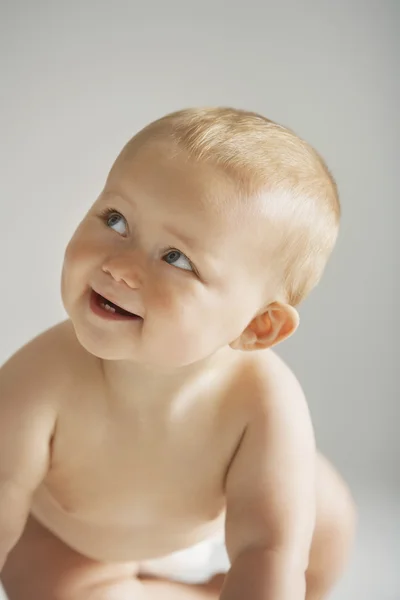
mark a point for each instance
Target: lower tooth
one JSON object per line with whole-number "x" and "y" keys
{"x": 108, "y": 307}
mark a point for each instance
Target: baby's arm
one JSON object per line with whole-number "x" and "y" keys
{"x": 27, "y": 420}
{"x": 271, "y": 499}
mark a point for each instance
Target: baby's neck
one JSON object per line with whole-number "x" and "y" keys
{"x": 126, "y": 380}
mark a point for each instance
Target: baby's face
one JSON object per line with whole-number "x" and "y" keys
{"x": 171, "y": 242}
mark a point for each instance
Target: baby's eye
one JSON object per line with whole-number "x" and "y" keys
{"x": 114, "y": 220}
{"x": 177, "y": 259}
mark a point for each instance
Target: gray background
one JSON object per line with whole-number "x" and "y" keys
{"x": 78, "y": 79}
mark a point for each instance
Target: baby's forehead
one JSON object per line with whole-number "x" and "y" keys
{"x": 193, "y": 193}
{"x": 160, "y": 174}
{"x": 160, "y": 171}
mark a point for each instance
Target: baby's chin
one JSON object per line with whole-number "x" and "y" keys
{"x": 106, "y": 347}
{"x": 100, "y": 345}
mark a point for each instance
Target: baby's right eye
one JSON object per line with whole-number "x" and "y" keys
{"x": 114, "y": 220}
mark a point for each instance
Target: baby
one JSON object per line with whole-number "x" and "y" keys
{"x": 155, "y": 425}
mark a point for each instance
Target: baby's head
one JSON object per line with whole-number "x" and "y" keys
{"x": 213, "y": 225}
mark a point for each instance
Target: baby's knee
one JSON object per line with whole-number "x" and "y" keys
{"x": 338, "y": 511}
{"x": 335, "y": 528}
{"x": 339, "y": 523}
{"x": 349, "y": 514}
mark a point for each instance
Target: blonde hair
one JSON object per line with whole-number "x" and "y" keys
{"x": 267, "y": 158}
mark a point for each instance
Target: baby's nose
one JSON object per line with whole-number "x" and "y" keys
{"x": 124, "y": 270}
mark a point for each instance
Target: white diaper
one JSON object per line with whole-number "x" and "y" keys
{"x": 196, "y": 564}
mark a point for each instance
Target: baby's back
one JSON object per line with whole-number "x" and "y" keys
{"x": 134, "y": 476}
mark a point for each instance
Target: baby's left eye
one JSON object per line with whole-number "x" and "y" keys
{"x": 114, "y": 220}
{"x": 177, "y": 259}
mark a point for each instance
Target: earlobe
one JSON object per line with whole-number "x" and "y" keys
{"x": 278, "y": 322}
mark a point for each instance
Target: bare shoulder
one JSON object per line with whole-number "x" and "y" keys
{"x": 41, "y": 370}
{"x": 33, "y": 383}
{"x": 268, "y": 402}
{"x": 269, "y": 381}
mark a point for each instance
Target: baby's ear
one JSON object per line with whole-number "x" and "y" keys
{"x": 276, "y": 323}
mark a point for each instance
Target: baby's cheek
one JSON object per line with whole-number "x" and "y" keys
{"x": 193, "y": 329}
{"x": 167, "y": 300}
{"x": 73, "y": 258}
{"x": 172, "y": 315}
{"x": 161, "y": 301}
{"x": 79, "y": 262}
{"x": 84, "y": 249}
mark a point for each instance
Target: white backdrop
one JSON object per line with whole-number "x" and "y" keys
{"x": 78, "y": 79}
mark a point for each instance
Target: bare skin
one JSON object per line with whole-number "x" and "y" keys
{"x": 130, "y": 439}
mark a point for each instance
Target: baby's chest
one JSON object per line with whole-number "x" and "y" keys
{"x": 139, "y": 473}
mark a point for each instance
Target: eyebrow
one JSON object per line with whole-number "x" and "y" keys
{"x": 189, "y": 241}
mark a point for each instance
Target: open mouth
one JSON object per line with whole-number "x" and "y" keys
{"x": 105, "y": 308}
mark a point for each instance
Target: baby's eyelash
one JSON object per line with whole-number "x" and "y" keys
{"x": 104, "y": 214}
